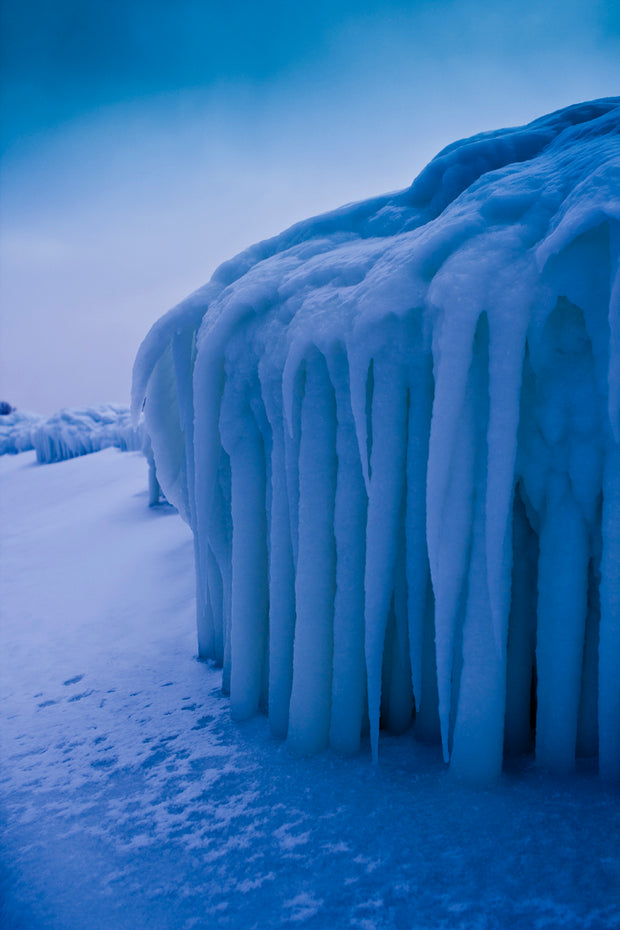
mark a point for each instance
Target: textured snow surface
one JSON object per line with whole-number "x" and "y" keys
{"x": 130, "y": 800}
{"x": 395, "y": 433}
{"x": 70, "y": 432}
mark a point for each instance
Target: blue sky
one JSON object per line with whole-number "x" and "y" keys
{"x": 145, "y": 142}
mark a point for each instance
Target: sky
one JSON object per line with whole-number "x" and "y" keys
{"x": 143, "y": 142}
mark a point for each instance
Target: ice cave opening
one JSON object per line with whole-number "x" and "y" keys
{"x": 395, "y": 433}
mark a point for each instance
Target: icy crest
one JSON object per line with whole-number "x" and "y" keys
{"x": 395, "y": 432}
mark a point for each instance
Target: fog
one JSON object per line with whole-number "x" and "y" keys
{"x": 143, "y": 144}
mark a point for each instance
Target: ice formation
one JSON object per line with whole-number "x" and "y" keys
{"x": 395, "y": 433}
{"x": 17, "y": 429}
{"x": 70, "y": 432}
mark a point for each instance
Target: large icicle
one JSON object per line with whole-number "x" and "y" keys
{"x": 349, "y": 525}
{"x": 609, "y": 642}
{"x": 479, "y": 727}
{"x": 562, "y": 609}
{"x": 521, "y": 647}
{"x": 385, "y": 504}
{"x": 449, "y": 503}
{"x": 281, "y": 573}
{"x": 420, "y": 385}
{"x": 250, "y": 598}
{"x": 309, "y": 716}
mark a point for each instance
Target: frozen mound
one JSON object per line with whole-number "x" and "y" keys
{"x": 17, "y": 428}
{"x": 80, "y": 430}
{"x": 395, "y": 432}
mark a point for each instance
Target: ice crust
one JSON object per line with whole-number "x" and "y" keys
{"x": 70, "y": 432}
{"x": 395, "y": 433}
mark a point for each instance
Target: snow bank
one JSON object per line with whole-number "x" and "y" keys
{"x": 395, "y": 433}
{"x": 70, "y": 432}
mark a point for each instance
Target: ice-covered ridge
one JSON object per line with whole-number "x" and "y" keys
{"x": 394, "y": 431}
{"x": 70, "y": 432}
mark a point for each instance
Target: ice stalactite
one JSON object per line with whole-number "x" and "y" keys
{"x": 350, "y": 514}
{"x": 609, "y": 639}
{"x": 521, "y": 644}
{"x": 249, "y": 584}
{"x": 395, "y": 433}
{"x": 281, "y": 580}
{"x": 385, "y": 508}
{"x": 315, "y": 582}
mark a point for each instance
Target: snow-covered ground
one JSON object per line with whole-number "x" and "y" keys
{"x": 130, "y": 799}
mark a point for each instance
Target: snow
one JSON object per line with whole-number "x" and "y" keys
{"x": 129, "y": 798}
{"x": 394, "y": 432}
{"x": 70, "y": 432}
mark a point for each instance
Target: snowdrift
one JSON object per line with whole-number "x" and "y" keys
{"x": 395, "y": 433}
{"x": 70, "y": 432}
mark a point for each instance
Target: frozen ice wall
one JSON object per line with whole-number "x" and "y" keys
{"x": 70, "y": 432}
{"x": 81, "y": 430}
{"x": 395, "y": 432}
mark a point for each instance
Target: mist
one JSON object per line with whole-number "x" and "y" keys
{"x": 144, "y": 144}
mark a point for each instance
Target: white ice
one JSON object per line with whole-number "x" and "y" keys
{"x": 395, "y": 433}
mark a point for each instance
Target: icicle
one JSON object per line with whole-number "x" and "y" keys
{"x": 154, "y": 488}
{"x": 449, "y": 501}
{"x": 350, "y": 530}
{"x": 587, "y": 728}
{"x": 166, "y": 436}
{"x": 507, "y": 331}
{"x": 216, "y": 601}
{"x": 562, "y": 609}
{"x": 248, "y": 626}
{"x": 362, "y": 385}
{"x": 418, "y": 429}
{"x": 281, "y": 575}
{"x": 521, "y": 634}
{"x": 212, "y": 520}
{"x": 427, "y": 716}
{"x": 292, "y": 392}
{"x": 397, "y": 693}
{"x": 385, "y": 503}
{"x": 609, "y": 642}
{"x": 205, "y": 620}
{"x": 614, "y": 336}
{"x": 478, "y": 738}
{"x": 477, "y": 746}
{"x": 219, "y": 537}
{"x": 309, "y": 713}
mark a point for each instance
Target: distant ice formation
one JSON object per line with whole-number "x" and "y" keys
{"x": 70, "y": 432}
{"x": 395, "y": 432}
{"x": 17, "y": 428}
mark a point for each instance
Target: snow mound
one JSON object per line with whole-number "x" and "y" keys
{"x": 395, "y": 433}
{"x": 70, "y": 432}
